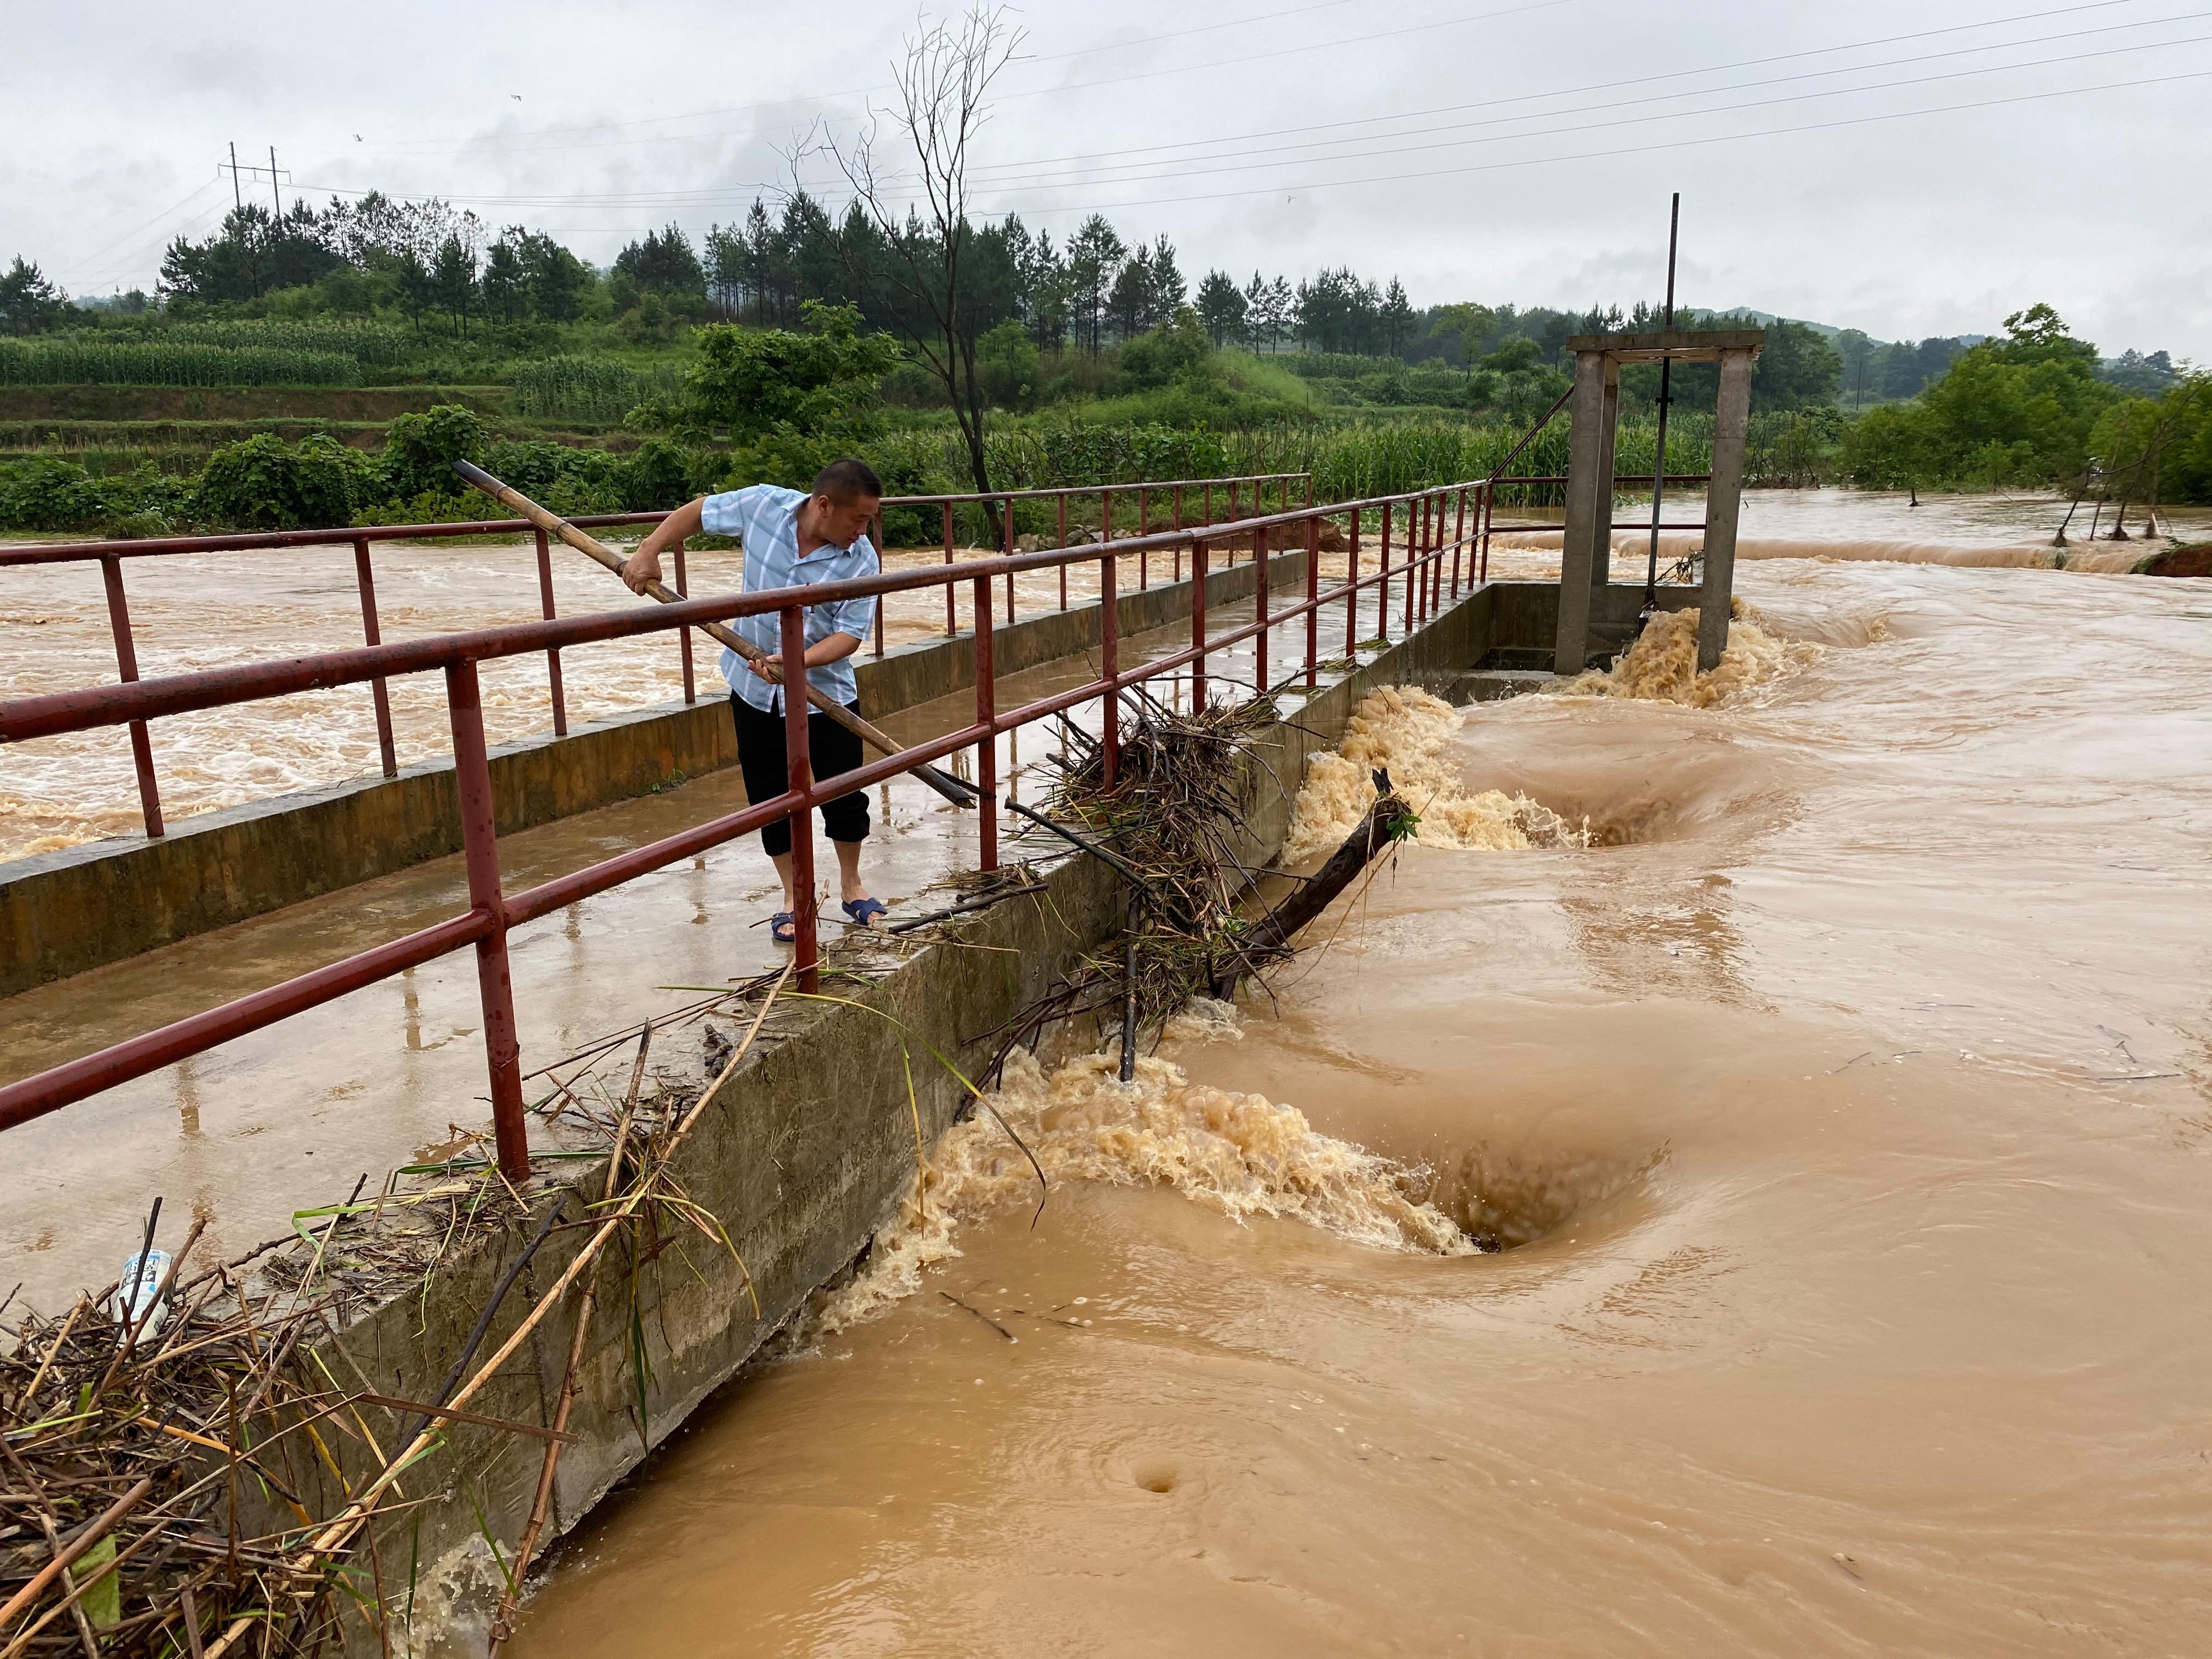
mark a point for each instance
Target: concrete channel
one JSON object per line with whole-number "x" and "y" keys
{"x": 803, "y": 1153}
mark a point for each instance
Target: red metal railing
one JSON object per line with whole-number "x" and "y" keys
{"x": 109, "y": 556}
{"x": 493, "y": 913}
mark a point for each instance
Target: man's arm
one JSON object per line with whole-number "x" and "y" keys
{"x": 644, "y": 565}
{"x": 836, "y": 648}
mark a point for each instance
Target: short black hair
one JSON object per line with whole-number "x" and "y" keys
{"x": 848, "y": 480}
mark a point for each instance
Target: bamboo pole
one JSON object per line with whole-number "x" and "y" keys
{"x": 946, "y": 785}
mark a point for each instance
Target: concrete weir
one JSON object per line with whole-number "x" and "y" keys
{"x": 802, "y": 1153}
{"x": 65, "y": 912}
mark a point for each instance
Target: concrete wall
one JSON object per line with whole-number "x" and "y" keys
{"x": 802, "y": 1155}
{"x": 65, "y": 912}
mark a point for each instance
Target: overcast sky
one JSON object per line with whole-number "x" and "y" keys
{"x": 1906, "y": 166}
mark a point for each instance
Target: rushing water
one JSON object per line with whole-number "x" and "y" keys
{"x": 1833, "y": 1062}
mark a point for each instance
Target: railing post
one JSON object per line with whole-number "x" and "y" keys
{"x": 1383, "y": 586}
{"x": 553, "y": 657}
{"x": 882, "y": 606}
{"x": 371, "y": 635}
{"x": 1062, "y": 544}
{"x": 1143, "y": 528}
{"x": 1459, "y": 539}
{"x": 1232, "y": 519}
{"x": 1007, "y": 535}
{"x": 1489, "y": 502}
{"x": 806, "y": 944}
{"x": 1198, "y": 624}
{"x": 987, "y": 751}
{"x": 1416, "y": 572}
{"x": 1206, "y": 513}
{"x": 1309, "y": 489}
{"x": 1313, "y": 601}
{"x": 683, "y": 591}
{"x": 1109, "y": 663}
{"x": 1178, "y": 525}
{"x": 952, "y": 618}
{"x": 1352, "y": 592}
{"x": 1260, "y": 608}
{"x": 126, "y": 669}
{"x": 480, "y": 856}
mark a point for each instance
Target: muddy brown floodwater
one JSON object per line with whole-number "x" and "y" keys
{"x": 1842, "y": 1104}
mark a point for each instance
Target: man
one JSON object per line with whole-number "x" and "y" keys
{"x": 794, "y": 538}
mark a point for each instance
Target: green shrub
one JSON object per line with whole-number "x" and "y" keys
{"x": 44, "y": 493}
{"x": 262, "y": 484}
{"x": 420, "y": 450}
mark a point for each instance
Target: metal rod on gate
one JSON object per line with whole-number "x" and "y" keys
{"x": 1198, "y": 625}
{"x": 1007, "y": 536}
{"x": 951, "y": 617}
{"x": 1109, "y": 663}
{"x": 1206, "y": 513}
{"x": 1062, "y": 542}
{"x": 1666, "y": 398}
{"x": 126, "y": 669}
{"x": 684, "y": 591}
{"x": 1178, "y": 525}
{"x": 371, "y": 635}
{"x": 1260, "y": 607}
{"x": 800, "y": 762}
{"x": 480, "y": 857}
{"x": 1232, "y": 519}
{"x": 987, "y": 715}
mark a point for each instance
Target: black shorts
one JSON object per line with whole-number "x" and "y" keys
{"x": 766, "y": 769}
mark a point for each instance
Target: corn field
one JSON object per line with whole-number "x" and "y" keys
{"x": 87, "y": 362}
{"x": 590, "y": 388}
{"x": 369, "y": 343}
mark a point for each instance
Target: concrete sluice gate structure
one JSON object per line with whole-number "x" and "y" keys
{"x": 803, "y": 1150}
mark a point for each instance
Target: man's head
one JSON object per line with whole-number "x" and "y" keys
{"x": 845, "y": 498}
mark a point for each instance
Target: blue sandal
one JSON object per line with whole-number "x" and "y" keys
{"x": 865, "y": 911}
{"x": 783, "y": 927}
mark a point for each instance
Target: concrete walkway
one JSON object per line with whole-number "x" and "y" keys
{"x": 288, "y": 1117}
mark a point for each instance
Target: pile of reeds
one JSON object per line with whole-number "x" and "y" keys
{"x": 137, "y": 1459}
{"x": 1171, "y": 822}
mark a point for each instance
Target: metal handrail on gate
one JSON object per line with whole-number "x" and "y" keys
{"x": 110, "y": 554}
{"x": 493, "y": 913}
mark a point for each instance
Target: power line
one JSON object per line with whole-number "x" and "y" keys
{"x": 1041, "y": 182}
{"x": 1015, "y": 187}
{"x": 1635, "y": 80}
{"x": 1042, "y": 92}
{"x": 1441, "y": 172}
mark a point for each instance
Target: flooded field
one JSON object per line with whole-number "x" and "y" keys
{"x": 216, "y": 611}
{"x": 1771, "y": 1221}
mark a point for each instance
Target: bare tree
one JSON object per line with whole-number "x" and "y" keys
{"x": 917, "y": 241}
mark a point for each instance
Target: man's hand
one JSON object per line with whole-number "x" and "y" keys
{"x": 642, "y": 569}
{"x": 770, "y": 668}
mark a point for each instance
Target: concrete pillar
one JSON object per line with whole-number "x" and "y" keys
{"x": 1602, "y": 526}
{"x": 1723, "y": 497}
{"x": 1587, "y": 443}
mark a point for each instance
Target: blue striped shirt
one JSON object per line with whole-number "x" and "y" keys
{"x": 765, "y": 518}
